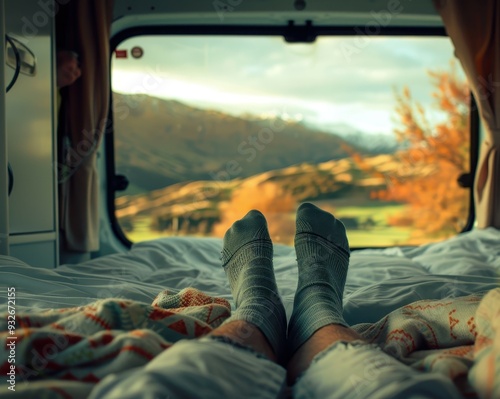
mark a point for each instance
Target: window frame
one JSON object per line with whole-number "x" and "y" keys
{"x": 267, "y": 30}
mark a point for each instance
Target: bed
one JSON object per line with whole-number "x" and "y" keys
{"x": 441, "y": 286}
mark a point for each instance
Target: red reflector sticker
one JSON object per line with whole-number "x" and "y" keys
{"x": 121, "y": 53}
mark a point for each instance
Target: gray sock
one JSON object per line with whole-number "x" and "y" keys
{"x": 247, "y": 258}
{"x": 323, "y": 258}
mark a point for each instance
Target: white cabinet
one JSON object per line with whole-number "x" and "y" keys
{"x": 30, "y": 131}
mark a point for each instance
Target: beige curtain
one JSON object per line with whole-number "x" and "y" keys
{"x": 83, "y": 26}
{"x": 474, "y": 28}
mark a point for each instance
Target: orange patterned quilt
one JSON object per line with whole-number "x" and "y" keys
{"x": 64, "y": 353}
{"x": 458, "y": 337}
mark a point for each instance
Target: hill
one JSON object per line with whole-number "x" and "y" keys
{"x": 163, "y": 142}
{"x": 198, "y": 207}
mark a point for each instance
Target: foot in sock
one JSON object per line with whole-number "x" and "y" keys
{"x": 323, "y": 258}
{"x": 247, "y": 258}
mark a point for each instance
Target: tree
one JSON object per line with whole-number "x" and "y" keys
{"x": 434, "y": 155}
{"x": 271, "y": 199}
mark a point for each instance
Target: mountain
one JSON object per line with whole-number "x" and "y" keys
{"x": 159, "y": 143}
{"x": 371, "y": 143}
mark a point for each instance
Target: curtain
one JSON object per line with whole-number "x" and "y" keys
{"x": 82, "y": 26}
{"x": 474, "y": 28}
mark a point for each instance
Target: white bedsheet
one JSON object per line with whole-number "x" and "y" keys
{"x": 378, "y": 281}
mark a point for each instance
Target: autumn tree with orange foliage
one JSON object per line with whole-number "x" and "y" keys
{"x": 269, "y": 198}
{"x": 435, "y": 155}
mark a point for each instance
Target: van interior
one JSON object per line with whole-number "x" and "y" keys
{"x": 133, "y": 134}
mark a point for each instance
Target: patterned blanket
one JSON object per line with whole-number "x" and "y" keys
{"x": 459, "y": 338}
{"x": 64, "y": 353}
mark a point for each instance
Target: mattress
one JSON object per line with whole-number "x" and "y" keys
{"x": 397, "y": 298}
{"x": 378, "y": 282}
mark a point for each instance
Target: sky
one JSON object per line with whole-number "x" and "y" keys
{"x": 336, "y": 84}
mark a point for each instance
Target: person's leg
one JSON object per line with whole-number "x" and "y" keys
{"x": 247, "y": 258}
{"x": 352, "y": 369}
{"x": 323, "y": 258}
{"x": 238, "y": 359}
{"x": 317, "y": 343}
{"x": 329, "y": 359}
{"x": 247, "y": 335}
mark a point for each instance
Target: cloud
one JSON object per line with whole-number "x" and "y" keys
{"x": 259, "y": 74}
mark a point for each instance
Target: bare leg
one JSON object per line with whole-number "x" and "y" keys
{"x": 319, "y": 341}
{"x": 246, "y": 334}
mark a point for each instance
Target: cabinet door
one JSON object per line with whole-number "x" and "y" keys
{"x": 29, "y": 120}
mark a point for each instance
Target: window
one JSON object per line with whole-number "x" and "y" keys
{"x": 208, "y": 127}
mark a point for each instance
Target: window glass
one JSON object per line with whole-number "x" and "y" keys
{"x": 374, "y": 130}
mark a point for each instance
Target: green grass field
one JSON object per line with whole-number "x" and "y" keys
{"x": 380, "y": 234}
{"x": 376, "y": 234}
